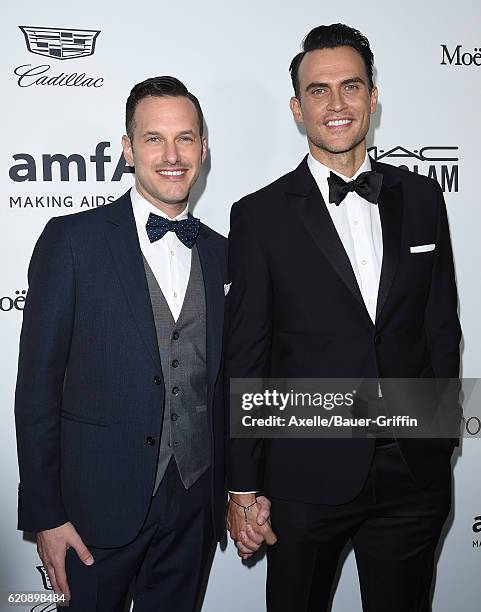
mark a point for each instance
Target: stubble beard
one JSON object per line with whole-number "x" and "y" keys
{"x": 325, "y": 148}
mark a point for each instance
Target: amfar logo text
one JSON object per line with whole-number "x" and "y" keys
{"x": 477, "y": 529}
{"x": 459, "y": 58}
{"x": 27, "y": 168}
{"x": 59, "y": 44}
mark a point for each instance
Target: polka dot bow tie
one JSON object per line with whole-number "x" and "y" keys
{"x": 367, "y": 185}
{"x": 186, "y": 230}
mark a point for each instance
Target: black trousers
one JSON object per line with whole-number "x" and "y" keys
{"x": 164, "y": 566}
{"x": 394, "y": 528}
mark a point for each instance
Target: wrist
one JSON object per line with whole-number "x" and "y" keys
{"x": 243, "y": 499}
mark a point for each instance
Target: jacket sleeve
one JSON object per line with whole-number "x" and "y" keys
{"x": 249, "y": 305}
{"x": 442, "y": 326}
{"x": 44, "y": 349}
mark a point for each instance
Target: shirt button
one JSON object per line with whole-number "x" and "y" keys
{"x": 157, "y": 380}
{"x": 171, "y": 253}
{"x": 356, "y": 222}
{"x": 150, "y": 441}
{"x": 175, "y": 390}
{"x": 175, "y": 363}
{"x": 363, "y": 262}
{"x": 175, "y": 335}
{"x": 174, "y": 416}
{"x": 370, "y": 301}
{"x": 175, "y": 294}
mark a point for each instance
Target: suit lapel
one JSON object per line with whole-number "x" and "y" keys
{"x": 214, "y": 304}
{"x": 390, "y": 212}
{"x": 121, "y": 233}
{"x": 309, "y": 205}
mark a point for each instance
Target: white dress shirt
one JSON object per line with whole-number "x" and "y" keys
{"x": 358, "y": 224}
{"x": 168, "y": 258}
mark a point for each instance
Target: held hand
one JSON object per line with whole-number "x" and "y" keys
{"x": 248, "y": 523}
{"x": 52, "y": 546}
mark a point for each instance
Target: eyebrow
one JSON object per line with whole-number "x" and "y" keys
{"x": 154, "y": 133}
{"x": 344, "y": 82}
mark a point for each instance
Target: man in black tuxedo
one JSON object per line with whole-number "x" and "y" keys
{"x": 342, "y": 269}
{"x": 120, "y": 423}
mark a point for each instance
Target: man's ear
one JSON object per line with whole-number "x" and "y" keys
{"x": 127, "y": 148}
{"x": 296, "y": 109}
{"x": 204, "y": 149}
{"x": 374, "y": 96}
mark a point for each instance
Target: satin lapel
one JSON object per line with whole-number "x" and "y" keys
{"x": 390, "y": 212}
{"x": 309, "y": 205}
{"x": 214, "y": 304}
{"x": 121, "y": 233}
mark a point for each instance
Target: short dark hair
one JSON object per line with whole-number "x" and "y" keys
{"x": 158, "y": 86}
{"x": 329, "y": 37}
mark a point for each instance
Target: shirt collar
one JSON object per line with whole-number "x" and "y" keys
{"x": 142, "y": 209}
{"x": 320, "y": 172}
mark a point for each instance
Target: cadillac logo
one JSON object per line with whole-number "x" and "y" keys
{"x": 45, "y": 578}
{"x": 60, "y": 43}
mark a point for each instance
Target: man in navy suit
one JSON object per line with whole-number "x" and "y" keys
{"x": 120, "y": 424}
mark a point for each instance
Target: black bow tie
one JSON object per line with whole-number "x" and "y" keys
{"x": 367, "y": 185}
{"x": 186, "y": 230}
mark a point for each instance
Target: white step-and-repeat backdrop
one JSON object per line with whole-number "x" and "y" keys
{"x": 62, "y": 120}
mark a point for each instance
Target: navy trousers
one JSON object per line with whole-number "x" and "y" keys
{"x": 164, "y": 568}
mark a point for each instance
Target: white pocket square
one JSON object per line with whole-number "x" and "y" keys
{"x": 226, "y": 288}
{"x": 422, "y": 248}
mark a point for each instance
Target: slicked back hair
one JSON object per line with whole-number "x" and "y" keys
{"x": 330, "y": 37}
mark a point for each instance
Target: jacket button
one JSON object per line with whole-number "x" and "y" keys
{"x": 175, "y": 335}
{"x": 150, "y": 441}
{"x": 174, "y": 416}
{"x": 157, "y": 380}
{"x": 175, "y": 390}
{"x": 377, "y": 339}
{"x": 175, "y": 363}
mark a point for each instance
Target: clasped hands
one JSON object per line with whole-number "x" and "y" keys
{"x": 248, "y": 523}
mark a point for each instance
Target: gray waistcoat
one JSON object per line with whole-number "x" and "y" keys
{"x": 185, "y": 432}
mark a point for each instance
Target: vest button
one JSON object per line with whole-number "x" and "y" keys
{"x": 175, "y": 363}
{"x": 175, "y": 390}
{"x": 150, "y": 441}
{"x": 175, "y": 335}
{"x": 377, "y": 339}
{"x": 157, "y": 380}
{"x": 174, "y": 416}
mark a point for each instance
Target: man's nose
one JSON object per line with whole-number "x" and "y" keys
{"x": 170, "y": 153}
{"x": 336, "y": 101}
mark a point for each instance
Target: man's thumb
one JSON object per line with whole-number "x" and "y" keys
{"x": 83, "y": 552}
{"x": 264, "y": 510}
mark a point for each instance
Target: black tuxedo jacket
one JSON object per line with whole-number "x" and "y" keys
{"x": 295, "y": 310}
{"x": 90, "y": 393}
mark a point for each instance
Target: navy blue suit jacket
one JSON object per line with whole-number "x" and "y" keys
{"x": 87, "y": 395}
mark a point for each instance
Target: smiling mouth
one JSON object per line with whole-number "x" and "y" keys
{"x": 336, "y": 123}
{"x": 171, "y": 173}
